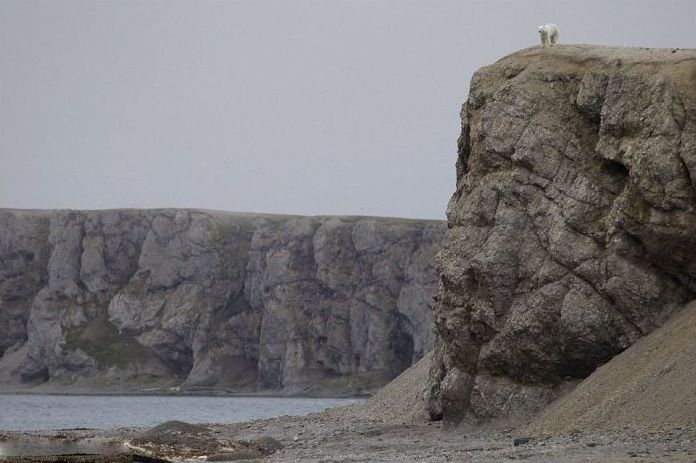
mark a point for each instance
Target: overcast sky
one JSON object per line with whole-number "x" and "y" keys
{"x": 306, "y": 107}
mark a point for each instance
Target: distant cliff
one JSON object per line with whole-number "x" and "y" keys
{"x": 125, "y": 299}
{"x": 572, "y": 231}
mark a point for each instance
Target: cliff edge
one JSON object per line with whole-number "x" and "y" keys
{"x": 571, "y": 231}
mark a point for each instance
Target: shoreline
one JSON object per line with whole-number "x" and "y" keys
{"x": 181, "y": 393}
{"x": 389, "y": 427}
{"x": 337, "y": 435}
{"x": 185, "y": 394}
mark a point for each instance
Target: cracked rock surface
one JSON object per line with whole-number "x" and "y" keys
{"x": 572, "y": 231}
{"x": 124, "y": 299}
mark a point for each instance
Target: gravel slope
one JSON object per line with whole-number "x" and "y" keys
{"x": 399, "y": 402}
{"x": 651, "y": 387}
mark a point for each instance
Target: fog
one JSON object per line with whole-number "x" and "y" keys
{"x": 303, "y": 107}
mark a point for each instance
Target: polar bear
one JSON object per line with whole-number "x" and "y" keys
{"x": 548, "y": 33}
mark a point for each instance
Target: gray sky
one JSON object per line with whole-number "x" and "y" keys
{"x": 307, "y": 107}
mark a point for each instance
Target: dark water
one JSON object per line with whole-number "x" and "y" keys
{"x": 38, "y": 412}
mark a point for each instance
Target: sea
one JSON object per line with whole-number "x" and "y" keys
{"x": 32, "y": 412}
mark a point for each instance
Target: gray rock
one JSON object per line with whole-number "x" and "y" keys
{"x": 214, "y": 300}
{"x": 24, "y": 254}
{"x": 520, "y": 441}
{"x": 571, "y": 231}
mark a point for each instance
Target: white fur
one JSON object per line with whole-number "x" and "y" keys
{"x": 548, "y": 33}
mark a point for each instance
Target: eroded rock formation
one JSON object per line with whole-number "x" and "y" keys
{"x": 572, "y": 231}
{"x": 213, "y": 300}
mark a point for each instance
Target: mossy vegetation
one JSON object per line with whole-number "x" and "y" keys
{"x": 349, "y": 385}
{"x": 43, "y": 229}
{"x": 230, "y": 241}
{"x": 101, "y": 340}
{"x": 135, "y": 287}
{"x": 221, "y": 232}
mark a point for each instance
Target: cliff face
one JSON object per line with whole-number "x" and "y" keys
{"x": 572, "y": 232}
{"x": 213, "y": 300}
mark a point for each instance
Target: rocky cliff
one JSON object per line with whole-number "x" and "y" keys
{"x": 199, "y": 299}
{"x": 572, "y": 231}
